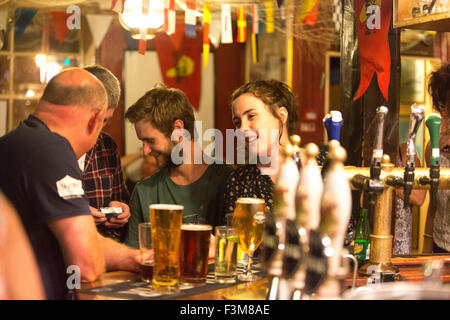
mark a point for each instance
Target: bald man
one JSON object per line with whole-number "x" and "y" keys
{"x": 41, "y": 177}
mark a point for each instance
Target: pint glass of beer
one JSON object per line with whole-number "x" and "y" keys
{"x": 166, "y": 235}
{"x": 248, "y": 219}
{"x": 145, "y": 246}
{"x": 195, "y": 239}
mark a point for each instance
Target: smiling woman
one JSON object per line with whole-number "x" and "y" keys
{"x": 258, "y": 109}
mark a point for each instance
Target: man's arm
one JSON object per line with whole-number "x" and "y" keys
{"x": 81, "y": 245}
{"x": 119, "y": 256}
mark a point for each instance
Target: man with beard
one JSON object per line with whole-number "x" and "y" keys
{"x": 164, "y": 122}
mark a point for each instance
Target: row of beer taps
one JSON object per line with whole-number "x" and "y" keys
{"x": 304, "y": 238}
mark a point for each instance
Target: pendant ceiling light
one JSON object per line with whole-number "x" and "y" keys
{"x": 133, "y": 19}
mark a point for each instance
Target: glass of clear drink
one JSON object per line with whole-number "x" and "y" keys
{"x": 226, "y": 254}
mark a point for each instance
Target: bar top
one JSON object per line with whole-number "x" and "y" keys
{"x": 410, "y": 267}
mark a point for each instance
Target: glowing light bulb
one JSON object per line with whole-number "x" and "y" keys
{"x": 132, "y": 18}
{"x": 29, "y": 93}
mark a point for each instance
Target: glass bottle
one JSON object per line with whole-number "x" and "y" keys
{"x": 362, "y": 238}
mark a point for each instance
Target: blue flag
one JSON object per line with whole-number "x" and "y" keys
{"x": 23, "y": 18}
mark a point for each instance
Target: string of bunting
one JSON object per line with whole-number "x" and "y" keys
{"x": 269, "y": 15}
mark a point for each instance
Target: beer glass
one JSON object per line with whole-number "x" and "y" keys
{"x": 194, "y": 249}
{"x": 248, "y": 219}
{"x": 166, "y": 235}
{"x": 226, "y": 254}
{"x": 145, "y": 245}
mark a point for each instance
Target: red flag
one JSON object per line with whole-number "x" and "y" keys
{"x": 59, "y": 21}
{"x": 117, "y": 6}
{"x": 373, "y": 21}
{"x": 181, "y": 68}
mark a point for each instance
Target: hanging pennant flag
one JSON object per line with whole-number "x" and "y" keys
{"x": 169, "y": 16}
{"x": 99, "y": 25}
{"x": 190, "y": 19}
{"x": 215, "y": 28}
{"x": 23, "y": 18}
{"x": 227, "y": 32}
{"x": 143, "y": 29}
{"x": 242, "y": 25}
{"x": 255, "y": 19}
{"x": 261, "y": 19}
{"x": 308, "y": 13}
{"x": 206, "y": 23}
{"x": 255, "y": 31}
{"x": 117, "y": 5}
{"x": 372, "y": 23}
{"x": 181, "y": 68}
{"x": 270, "y": 25}
{"x": 59, "y": 22}
{"x": 337, "y": 15}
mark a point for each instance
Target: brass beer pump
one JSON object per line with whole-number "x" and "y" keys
{"x": 381, "y": 238}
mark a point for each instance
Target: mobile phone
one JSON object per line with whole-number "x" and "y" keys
{"x": 111, "y": 210}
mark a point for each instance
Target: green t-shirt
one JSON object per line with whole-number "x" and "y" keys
{"x": 202, "y": 199}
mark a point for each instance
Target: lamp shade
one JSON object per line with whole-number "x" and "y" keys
{"x": 132, "y": 18}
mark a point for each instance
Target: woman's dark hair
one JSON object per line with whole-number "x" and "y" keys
{"x": 274, "y": 94}
{"x": 439, "y": 87}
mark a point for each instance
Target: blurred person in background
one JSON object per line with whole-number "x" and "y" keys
{"x": 19, "y": 273}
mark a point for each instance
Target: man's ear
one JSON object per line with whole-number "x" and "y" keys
{"x": 283, "y": 113}
{"x": 95, "y": 120}
{"x": 178, "y": 125}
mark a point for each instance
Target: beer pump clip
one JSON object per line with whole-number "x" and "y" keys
{"x": 416, "y": 117}
{"x": 333, "y": 123}
{"x": 279, "y": 229}
{"x": 433, "y": 123}
{"x": 307, "y": 205}
{"x": 335, "y": 216}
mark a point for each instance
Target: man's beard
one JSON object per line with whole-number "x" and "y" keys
{"x": 165, "y": 159}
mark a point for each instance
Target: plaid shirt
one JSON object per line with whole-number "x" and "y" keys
{"x": 103, "y": 180}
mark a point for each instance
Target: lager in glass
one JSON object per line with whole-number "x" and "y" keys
{"x": 166, "y": 235}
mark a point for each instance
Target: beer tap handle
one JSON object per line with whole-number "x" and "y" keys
{"x": 377, "y": 153}
{"x": 333, "y": 123}
{"x": 433, "y": 123}
{"x": 375, "y": 185}
{"x": 417, "y": 115}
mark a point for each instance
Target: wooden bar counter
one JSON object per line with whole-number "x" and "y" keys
{"x": 410, "y": 267}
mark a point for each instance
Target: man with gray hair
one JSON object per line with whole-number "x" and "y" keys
{"x": 103, "y": 179}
